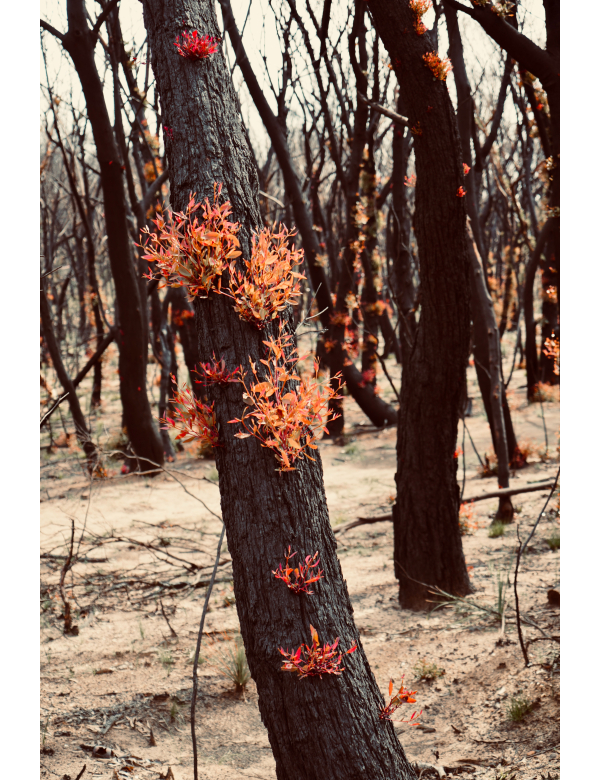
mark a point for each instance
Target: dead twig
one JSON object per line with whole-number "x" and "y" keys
{"x": 197, "y": 655}
{"x": 68, "y": 626}
{"x": 164, "y": 614}
{"x": 520, "y": 551}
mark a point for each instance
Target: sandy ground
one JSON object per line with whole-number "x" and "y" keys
{"x": 125, "y": 674}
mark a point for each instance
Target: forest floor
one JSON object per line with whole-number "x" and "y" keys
{"x": 126, "y": 675}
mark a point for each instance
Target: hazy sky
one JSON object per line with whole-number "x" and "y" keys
{"x": 260, "y": 38}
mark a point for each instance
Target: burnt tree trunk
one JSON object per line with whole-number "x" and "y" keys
{"x": 79, "y": 41}
{"x": 484, "y": 308}
{"x": 481, "y": 351}
{"x": 265, "y": 511}
{"x": 531, "y": 354}
{"x": 400, "y": 240}
{"x": 427, "y": 542}
{"x": 81, "y": 430}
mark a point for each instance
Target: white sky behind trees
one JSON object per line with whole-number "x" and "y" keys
{"x": 484, "y": 58}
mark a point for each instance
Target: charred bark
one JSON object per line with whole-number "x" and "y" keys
{"x": 427, "y": 542}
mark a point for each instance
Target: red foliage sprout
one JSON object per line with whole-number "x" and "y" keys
{"x": 284, "y": 412}
{"x": 196, "y": 47}
{"x": 419, "y": 9}
{"x": 440, "y": 68}
{"x": 270, "y": 281}
{"x": 217, "y": 373}
{"x": 191, "y": 253}
{"x": 315, "y": 660}
{"x": 194, "y": 420}
{"x": 461, "y": 192}
{"x": 301, "y": 577}
{"x": 402, "y": 697}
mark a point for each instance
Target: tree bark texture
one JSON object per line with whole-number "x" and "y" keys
{"x": 427, "y": 542}
{"x": 317, "y": 727}
{"x": 133, "y": 348}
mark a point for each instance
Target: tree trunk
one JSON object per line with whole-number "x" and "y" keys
{"x": 427, "y": 541}
{"x": 482, "y": 301}
{"x": 81, "y": 429}
{"x": 400, "y": 241}
{"x": 163, "y": 354}
{"x": 531, "y": 355}
{"x": 265, "y": 511}
{"x": 481, "y": 322}
{"x": 79, "y": 43}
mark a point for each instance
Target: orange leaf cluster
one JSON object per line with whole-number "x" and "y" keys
{"x": 315, "y": 660}
{"x": 367, "y": 377}
{"x": 461, "y": 192}
{"x": 466, "y": 524}
{"x": 419, "y": 9}
{"x": 377, "y": 308}
{"x": 552, "y": 346}
{"x": 440, "y": 68}
{"x": 340, "y": 318}
{"x": 402, "y": 697}
{"x": 300, "y": 578}
{"x": 270, "y": 281}
{"x": 284, "y": 412}
{"x": 195, "y": 420}
{"x": 191, "y": 253}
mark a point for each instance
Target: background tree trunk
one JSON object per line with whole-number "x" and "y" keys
{"x": 265, "y": 511}
{"x": 133, "y": 348}
{"x": 482, "y": 302}
{"x": 427, "y": 542}
{"x": 81, "y": 430}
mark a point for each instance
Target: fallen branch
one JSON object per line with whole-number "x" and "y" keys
{"x": 511, "y": 491}
{"x": 481, "y": 497}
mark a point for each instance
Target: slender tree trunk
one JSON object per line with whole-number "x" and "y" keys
{"x": 482, "y": 353}
{"x": 483, "y": 302}
{"x": 265, "y": 511}
{"x": 81, "y": 429}
{"x": 545, "y": 65}
{"x": 427, "y": 542}
{"x": 162, "y": 353}
{"x": 531, "y": 355}
{"x": 144, "y": 436}
{"x": 399, "y": 242}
